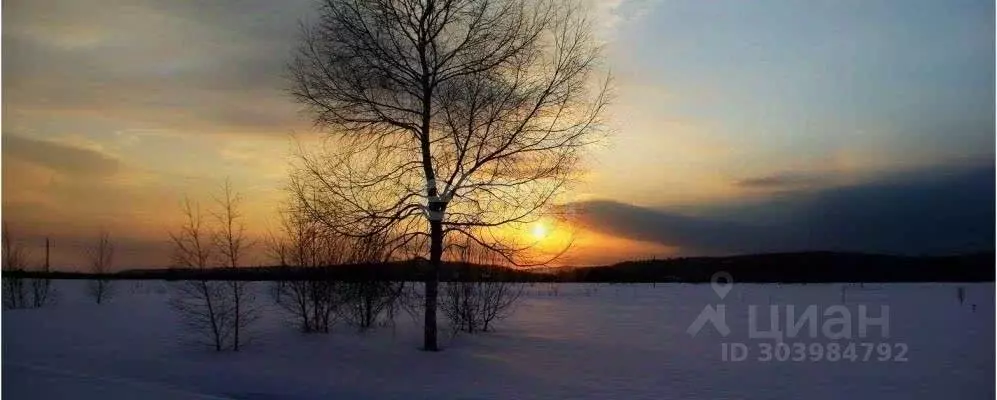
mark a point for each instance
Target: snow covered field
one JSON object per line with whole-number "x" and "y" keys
{"x": 586, "y": 342}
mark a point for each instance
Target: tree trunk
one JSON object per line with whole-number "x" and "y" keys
{"x": 432, "y": 282}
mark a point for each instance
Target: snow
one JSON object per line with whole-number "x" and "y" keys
{"x": 579, "y": 341}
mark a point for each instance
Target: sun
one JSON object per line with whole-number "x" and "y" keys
{"x": 539, "y": 231}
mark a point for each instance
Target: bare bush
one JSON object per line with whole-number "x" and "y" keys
{"x": 316, "y": 303}
{"x": 480, "y": 293}
{"x": 42, "y": 292}
{"x": 299, "y": 244}
{"x": 101, "y": 261}
{"x": 232, "y": 244}
{"x": 204, "y": 309}
{"x": 369, "y": 299}
{"x": 18, "y": 290}
{"x": 218, "y": 313}
{"x": 15, "y": 262}
{"x": 202, "y": 305}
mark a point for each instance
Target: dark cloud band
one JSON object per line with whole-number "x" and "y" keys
{"x": 930, "y": 212}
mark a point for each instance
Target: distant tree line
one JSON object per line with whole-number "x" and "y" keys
{"x": 803, "y": 267}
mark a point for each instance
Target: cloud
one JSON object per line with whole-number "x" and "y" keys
{"x": 609, "y": 15}
{"x": 667, "y": 228}
{"x": 780, "y": 181}
{"x": 152, "y": 65}
{"x": 65, "y": 159}
{"x": 924, "y": 212}
{"x": 938, "y": 211}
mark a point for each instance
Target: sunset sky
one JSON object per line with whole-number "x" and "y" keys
{"x": 738, "y": 126}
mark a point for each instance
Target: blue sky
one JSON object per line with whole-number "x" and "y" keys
{"x": 791, "y": 84}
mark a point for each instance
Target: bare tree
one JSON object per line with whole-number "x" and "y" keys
{"x": 232, "y": 244}
{"x": 101, "y": 261}
{"x": 481, "y": 292}
{"x": 202, "y": 304}
{"x": 15, "y": 261}
{"x": 450, "y": 117}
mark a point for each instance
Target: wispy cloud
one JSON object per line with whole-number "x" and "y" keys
{"x": 782, "y": 181}
{"x": 609, "y": 15}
